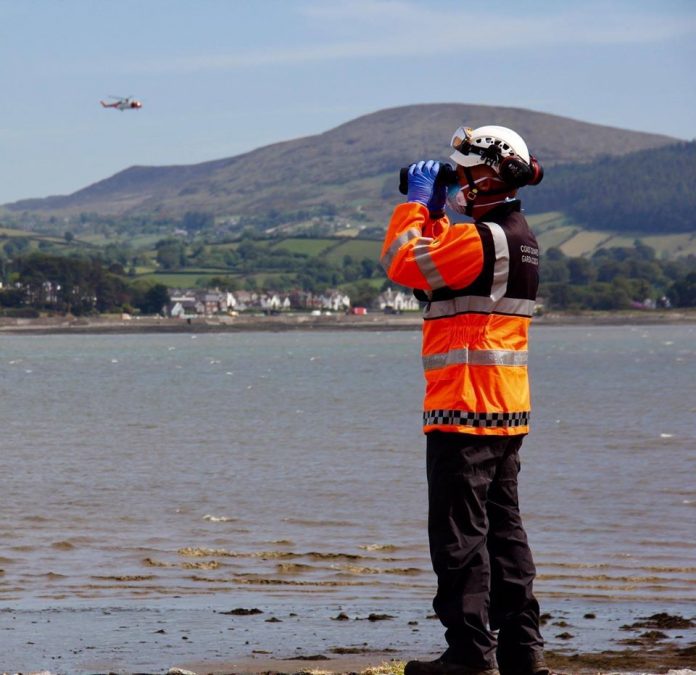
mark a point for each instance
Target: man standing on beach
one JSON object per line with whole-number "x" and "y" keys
{"x": 479, "y": 280}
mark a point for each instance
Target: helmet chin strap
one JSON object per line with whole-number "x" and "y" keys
{"x": 474, "y": 192}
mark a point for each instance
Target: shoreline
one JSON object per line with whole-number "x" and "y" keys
{"x": 291, "y": 322}
{"x": 286, "y": 639}
{"x": 650, "y": 661}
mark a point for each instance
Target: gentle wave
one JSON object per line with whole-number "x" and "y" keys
{"x": 220, "y": 519}
{"x": 147, "y": 501}
{"x": 377, "y": 567}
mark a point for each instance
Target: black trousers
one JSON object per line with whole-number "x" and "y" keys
{"x": 479, "y": 551}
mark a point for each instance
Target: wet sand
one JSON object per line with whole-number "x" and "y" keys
{"x": 654, "y": 662}
{"x": 627, "y": 662}
{"x": 647, "y": 662}
{"x": 248, "y": 640}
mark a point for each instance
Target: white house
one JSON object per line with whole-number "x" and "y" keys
{"x": 197, "y": 303}
{"x": 334, "y": 301}
{"x": 208, "y": 302}
{"x": 270, "y": 302}
{"x": 186, "y": 307}
{"x": 398, "y": 301}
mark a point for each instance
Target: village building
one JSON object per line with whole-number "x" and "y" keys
{"x": 187, "y": 303}
{"x": 397, "y": 301}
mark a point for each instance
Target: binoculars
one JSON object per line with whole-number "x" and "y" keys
{"x": 445, "y": 176}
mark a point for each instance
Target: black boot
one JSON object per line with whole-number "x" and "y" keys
{"x": 533, "y": 666}
{"x": 440, "y": 667}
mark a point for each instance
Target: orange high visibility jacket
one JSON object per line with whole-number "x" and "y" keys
{"x": 480, "y": 280}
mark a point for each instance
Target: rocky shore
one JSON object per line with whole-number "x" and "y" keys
{"x": 665, "y": 661}
{"x": 286, "y": 322}
{"x": 670, "y": 660}
{"x": 244, "y": 322}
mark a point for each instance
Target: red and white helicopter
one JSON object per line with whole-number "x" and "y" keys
{"x": 122, "y": 103}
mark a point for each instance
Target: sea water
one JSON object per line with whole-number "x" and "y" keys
{"x": 285, "y": 471}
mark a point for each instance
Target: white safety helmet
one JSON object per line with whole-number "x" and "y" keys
{"x": 487, "y": 145}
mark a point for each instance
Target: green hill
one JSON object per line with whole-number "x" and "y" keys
{"x": 646, "y": 192}
{"x": 557, "y": 230}
{"x": 349, "y": 173}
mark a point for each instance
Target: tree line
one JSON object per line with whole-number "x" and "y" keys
{"x": 611, "y": 279}
{"x": 616, "y": 278}
{"x": 648, "y": 191}
{"x": 77, "y": 286}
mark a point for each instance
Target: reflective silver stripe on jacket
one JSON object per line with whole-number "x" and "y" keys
{"x": 426, "y": 264}
{"x": 501, "y": 268}
{"x": 475, "y": 357}
{"x": 496, "y": 301}
{"x": 475, "y": 303}
{"x": 475, "y": 419}
{"x": 402, "y": 239}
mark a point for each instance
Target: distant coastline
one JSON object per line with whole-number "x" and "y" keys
{"x": 290, "y": 322}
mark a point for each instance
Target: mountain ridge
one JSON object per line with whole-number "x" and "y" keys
{"x": 353, "y": 166}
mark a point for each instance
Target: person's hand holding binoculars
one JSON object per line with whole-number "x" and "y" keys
{"x": 428, "y": 183}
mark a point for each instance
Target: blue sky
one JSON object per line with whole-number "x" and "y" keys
{"x": 221, "y": 77}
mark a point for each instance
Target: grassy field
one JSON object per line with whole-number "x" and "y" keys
{"x": 667, "y": 246}
{"x": 583, "y": 243}
{"x": 543, "y": 222}
{"x": 10, "y": 233}
{"x": 356, "y": 248}
{"x": 199, "y": 278}
{"x": 310, "y": 247}
{"x": 556, "y": 230}
{"x": 553, "y": 229}
{"x": 331, "y": 248}
{"x": 181, "y": 279}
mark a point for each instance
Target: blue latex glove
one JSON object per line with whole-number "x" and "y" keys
{"x": 422, "y": 187}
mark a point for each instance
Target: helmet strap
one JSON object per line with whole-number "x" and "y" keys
{"x": 474, "y": 192}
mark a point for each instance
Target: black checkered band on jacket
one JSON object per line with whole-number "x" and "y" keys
{"x": 474, "y": 419}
